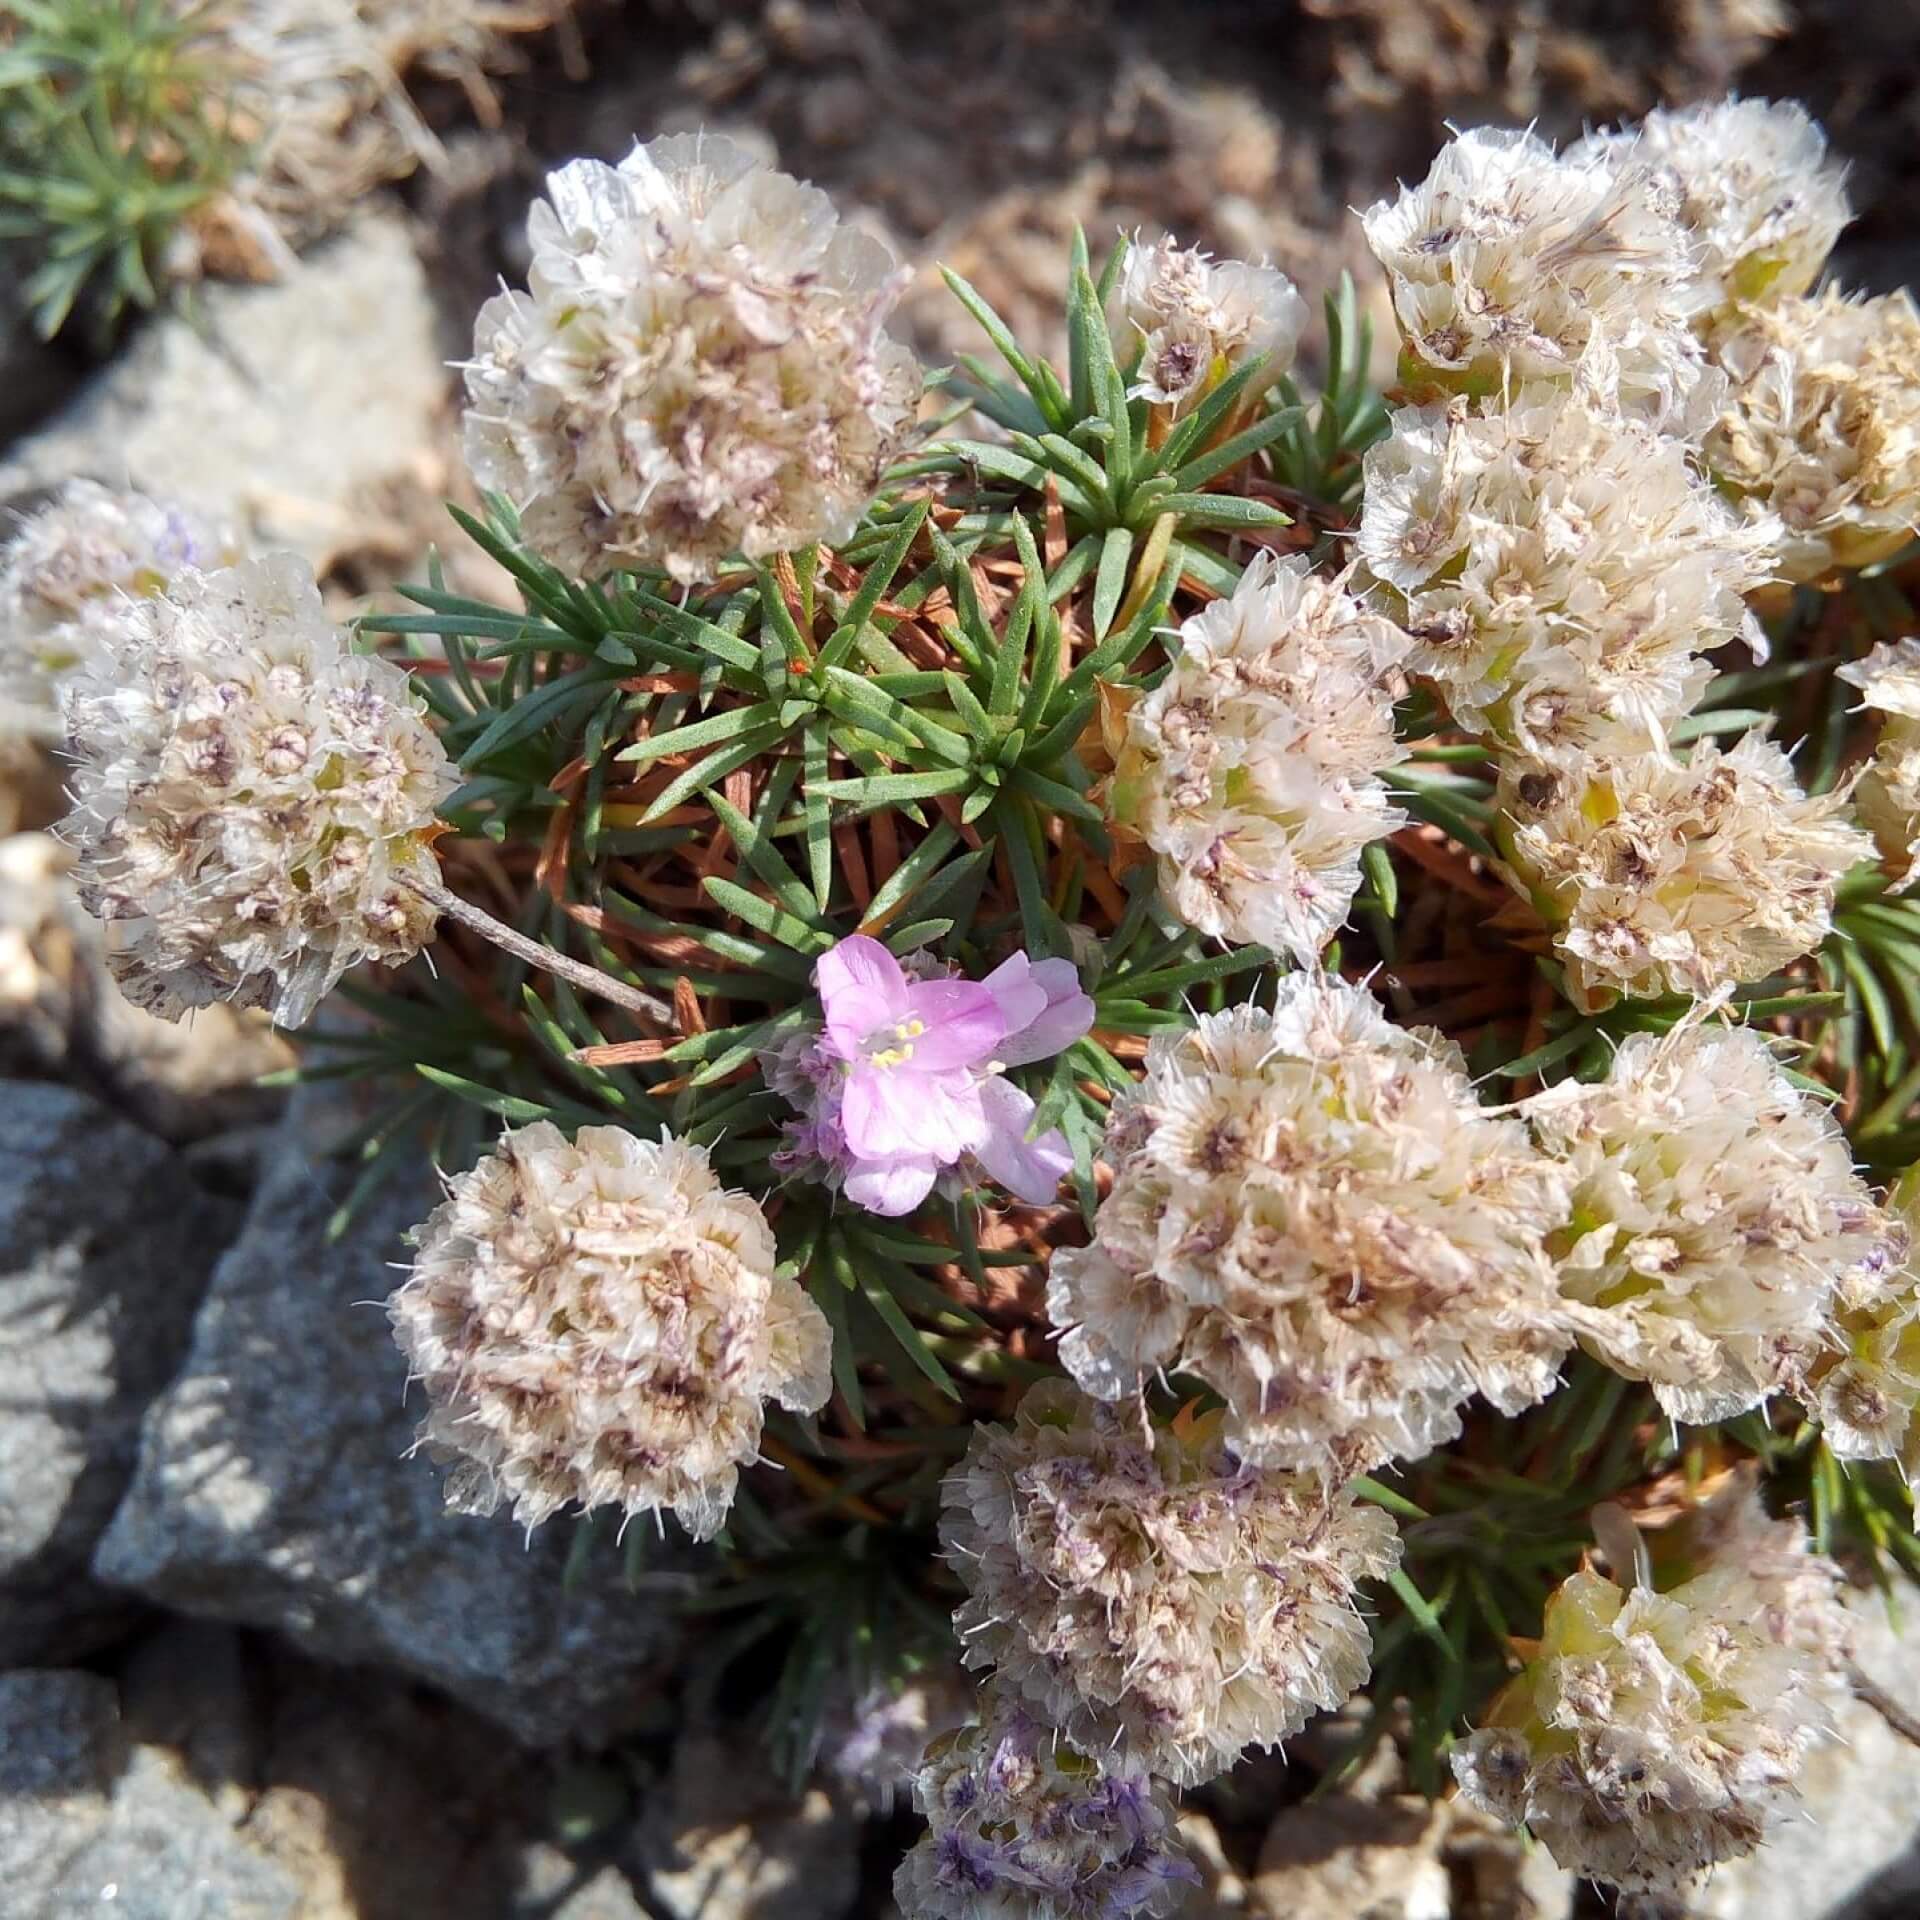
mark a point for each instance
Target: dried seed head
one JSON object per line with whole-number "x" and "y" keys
{"x": 599, "y": 1322}
{"x": 1821, "y": 429}
{"x": 1654, "y": 1735}
{"x": 1716, "y": 1216}
{"x": 1020, "y": 1826}
{"x": 1147, "y": 1592}
{"x": 1252, "y": 770}
{"x": 250, "y": 797}
{"x": 1668, "y": 874}
{"x": 1564, "y": 569}
{"x": 1312, "y": 1213}
{"x": 698, "y": 369}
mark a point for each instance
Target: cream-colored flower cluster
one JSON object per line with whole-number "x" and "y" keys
{"x": 1313, "y": 1214}
{"x": 1667, "y": 873}
{"x": 251, "y": 799}
{"x": 1199, "y": 321}
{"x": 1887, "y": 795}
{"x": 1253, "y": 769}
{"x": 600, "y": 1322}
{"x": 64, "y": 573}
{"x": 699, "y": 368}
{"x": 1717, "y": 1221}
{"x": 1147, "y": 1592}
{"x": 1655, "y": 1734}
{"x": 1021, "y": 1826}
{"x": 1564, "y": 568}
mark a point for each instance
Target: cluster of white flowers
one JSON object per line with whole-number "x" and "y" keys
{"x": 1661, "y": 873}
{"x": 1147, "y": 1592}
{"x": 1200, "y": 321}
{"x": 1312, "y": 1213}
{"x": 1252, "y": 770}
{"x": 1887, "y": 795}
{"x": 65, "y": 571}
{"x": 1021, "y": 1826}
{"x": 1716, "y": 1219}
{"x": 1653, "y": 1735}
{"x": 600, "y": 1322}
{"x": 699, "y": 368}
{"x": 1509, "y": 262}
{"x": 1821, "y": 430}
{"x": 250, "y": 798}
{"x": 1563, "y": 568}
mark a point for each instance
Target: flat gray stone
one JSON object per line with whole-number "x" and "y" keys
{"x": 105, "y": 1247}
{"x": 274, "y": 1487}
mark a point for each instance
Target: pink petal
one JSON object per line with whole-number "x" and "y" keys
{"x": 961, "y": 1024}
{"x": 891, "y": 1114}
{"x": 1066, "y": 1014}
{"x": 890, "y": 1187}
{"x": 861, "y": 988}
{"x": 1030, "y": 1170}
{"x": 1022, "y": 998}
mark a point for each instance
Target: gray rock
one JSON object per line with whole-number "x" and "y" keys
{"x": 274, "y": 1488}
{"x": 89, "y": 1824}
{"x": 105, "y": 1248}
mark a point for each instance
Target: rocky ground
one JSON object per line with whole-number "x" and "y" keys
{"x": 247, "y": 1665}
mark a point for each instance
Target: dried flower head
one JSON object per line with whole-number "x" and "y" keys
{"x": 1020, "y": 1826}
{"x": 1822, "y": 426}
{"x": 1886, "y": 798}
{"x": 699, "y": 368}
{"x": 600, "y": 1321}
{"x": 66, "y": 569}
{"x": 1655, "y": 1734}
{"x": 1252, "y": 770}
{"x": 1148, "y": 1592}
{"x": 1508, "y": 263}
{"x": 1756, "y": 190}
{"x": 1667, "y": 873}
{"x": 1565, "y": 569}
{"x": 1201, "y": 320}
{"x": 1716, "y": 1213}
{"x": 250, "y": 797}
{"x": 1313, "y": 1214}
{"x": 872, "y": 1742}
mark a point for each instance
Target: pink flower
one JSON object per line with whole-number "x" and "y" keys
{"x": 903, "y": 1083}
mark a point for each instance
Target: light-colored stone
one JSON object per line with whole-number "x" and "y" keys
{"x": 105, "y": 1247}
{"x": 275, "y": 1487}
{"x": 1347, "y": 1858}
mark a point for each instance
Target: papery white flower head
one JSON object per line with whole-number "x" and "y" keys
{"x": 65, "y": 569}
{"x": 698, "y": 369}
{"x": 1716, "y": 1216}
{"x": 600, "y": 1322}
{"x": 1821, "y": 429}
{"x": 1887, "y": 796}
{"x": 250, "y": 797}
{"x": 1312, "y": 1213}
{"x": 1565, "y": 569}
{"x": 1509, "y": 263}
{"x": 1149, "y": 1593}
{"x": 872, "y": 1742}
{"x": 1757, "y": 191}
{"x": 1200, "y": 320}
{"x": 1668, "y": 873}
{"x": 1021, "y": 1826}
{"x": 1252, "y": 770}
{"x": 1653, "y": 1734}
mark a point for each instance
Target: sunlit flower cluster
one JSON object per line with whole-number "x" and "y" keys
{"x": 1887, "y": 795}
{"x": 64, "y": 572}
{"x": 1564, "y": 568}
{"x": 699, "y": 368}
{"x": 251, "y": 799}
{"x": 1146, "y": 1591}
{"x": 1663, "y": 872}
{"x": 599, "y": 1322}
{"x": 1716, "y": 1216}
{"x": 1509, "y": 262}
{"x": 1312, "y": 1213}
{"x": 1021, "y": 1826}
{"x": 1199, "y": 321}
{"x": 1253, "y": 769}
{"x": 1655, "y": 1734}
